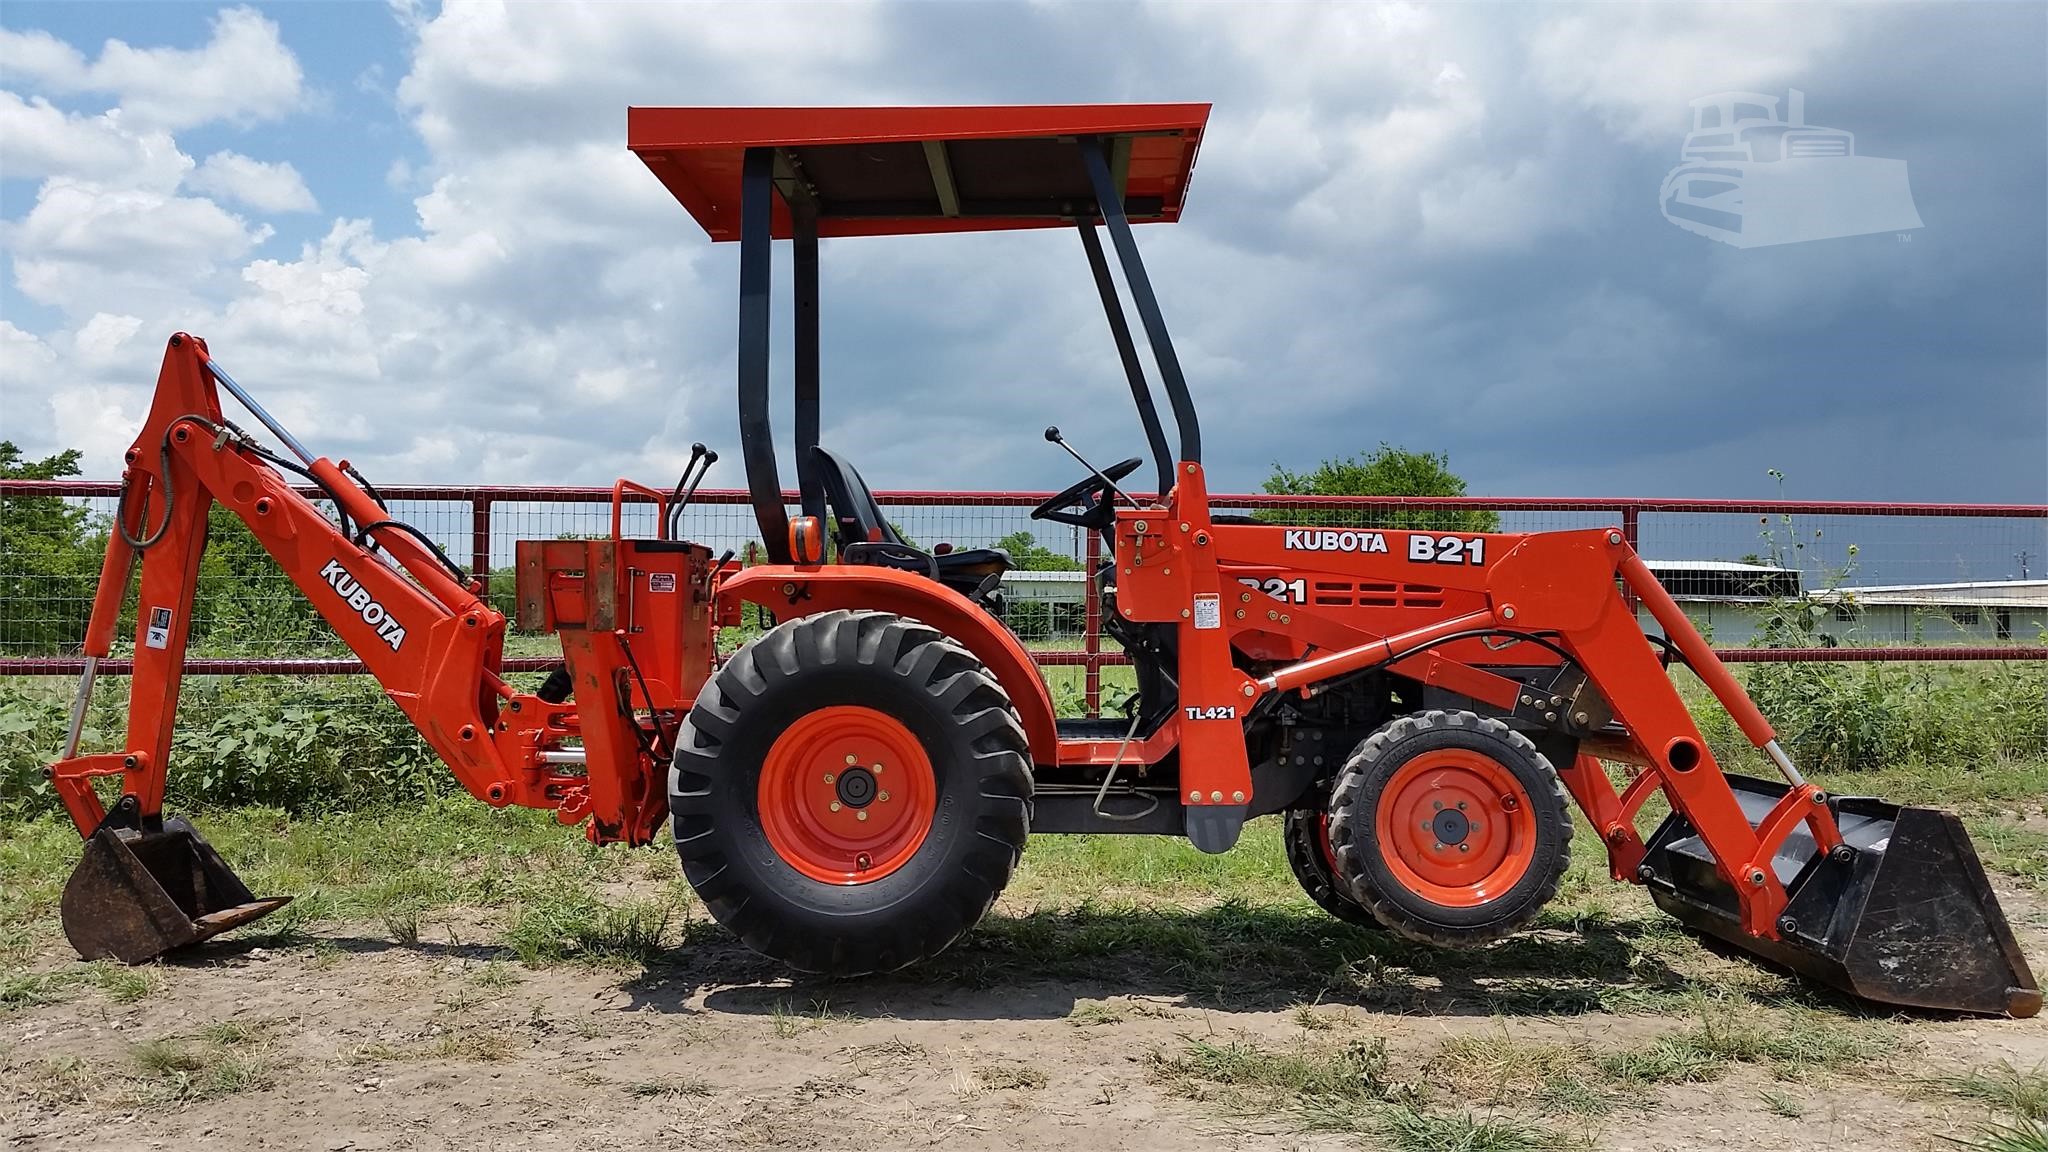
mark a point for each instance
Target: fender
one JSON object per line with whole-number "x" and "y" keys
{"x": 789, "y": 590}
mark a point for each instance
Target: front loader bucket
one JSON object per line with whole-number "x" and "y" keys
{"x": 137, "y": 895}
{"x": 1906, "y": 917}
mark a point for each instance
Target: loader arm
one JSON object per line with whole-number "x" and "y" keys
{"x": 1885, "y": 901}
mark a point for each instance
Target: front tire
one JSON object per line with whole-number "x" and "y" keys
{"x": 1306, "y": 835}
{"x": 851, "y": 792}
{"x": 1450, "y": 827}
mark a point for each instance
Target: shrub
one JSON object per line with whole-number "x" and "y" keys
{"x": 330, "y": 741}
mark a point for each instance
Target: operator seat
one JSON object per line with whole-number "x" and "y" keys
{"x": 857, "y": 520}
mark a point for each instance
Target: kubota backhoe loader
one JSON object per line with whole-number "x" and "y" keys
{"x": 850, "y": 790}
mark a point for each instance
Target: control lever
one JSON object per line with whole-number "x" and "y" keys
{"x": 1052, "y": 434}
{"x": 686, "y": 484}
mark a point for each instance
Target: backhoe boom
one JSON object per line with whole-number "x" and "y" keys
{"x": 417, "y": 623}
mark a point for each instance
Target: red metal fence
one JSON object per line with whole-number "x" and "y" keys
{"x": 44, "y": 601}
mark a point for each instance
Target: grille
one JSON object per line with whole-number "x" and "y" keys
{"x": 1372, "y": 594}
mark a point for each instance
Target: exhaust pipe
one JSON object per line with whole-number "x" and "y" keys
{"x": 1901, "y": 913}
{"x": 138, "y": 894}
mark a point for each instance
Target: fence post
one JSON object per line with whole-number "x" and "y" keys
{"x": 1091, "y": 630}
{"x": 480, "y": 544}
{"x": 1631, "y": 532}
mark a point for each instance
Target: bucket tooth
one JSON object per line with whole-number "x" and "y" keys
{"x": 1905, "y": 917}
{"x": 136, "y": 895}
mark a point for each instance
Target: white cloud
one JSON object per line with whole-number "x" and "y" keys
{"x": 38, "y": 139}
{"x": 104, "y": 339}
{"x": 85, "y": 247}
{"x": 253, "y": 183}
{"x": 1639, "y": 65}
{"x": 242, "y": 74}
{"x": 36, "y": 55}
{"x": 25, "y": 366}
{"x": 1398, "y": 208}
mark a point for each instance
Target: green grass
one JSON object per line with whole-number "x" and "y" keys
{"x": 1412, "y": 1130}
{"x": 1781, "y": 1103}
{"x": 1136, "y": 914}
{"x": 2002, "y": 1086}
{"x": 1092, "y": 1013}
{"x": 668, "y": 1089}
{"x": 2022, "y": 1136}
{"x": 574, "y": 925}
{"x": 118, "y": 982}
{"x": 1498, "y": 1068}
{"x": 1792, "y": 1042}
{"x": 1228, "y": 930}
{"x": 226, "y": 1058}
{"x": 1010, "y": 1076}
{"x": 1347, "y": 1088}
{"x": 1353, "y": 1073}
{"x": 2015, "y": 851}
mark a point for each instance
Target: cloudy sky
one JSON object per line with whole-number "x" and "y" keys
{"x": 417, "y": 233}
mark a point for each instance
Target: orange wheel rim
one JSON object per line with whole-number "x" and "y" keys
{"x": 847, "y": 795}
{"x": 1456, "y": 828}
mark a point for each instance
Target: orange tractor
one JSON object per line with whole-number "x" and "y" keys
{"x": 851, "y": 789}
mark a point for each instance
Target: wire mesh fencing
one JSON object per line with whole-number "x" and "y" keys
{"x": 1869, "y": 580}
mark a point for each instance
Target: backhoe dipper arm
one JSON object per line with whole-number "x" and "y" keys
{"x": 428, "y": 639}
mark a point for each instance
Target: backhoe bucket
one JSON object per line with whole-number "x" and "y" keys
{"x": 1905, "y": 917}
{"x": 137, "y": 895}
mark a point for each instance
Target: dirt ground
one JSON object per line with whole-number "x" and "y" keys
{"x": 341, "y": 1038}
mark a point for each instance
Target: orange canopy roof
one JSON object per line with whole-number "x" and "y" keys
{"x": 895, "y": 171}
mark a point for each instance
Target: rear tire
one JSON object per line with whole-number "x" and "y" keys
{"x": 1450, "y": 827}
{"x": 779, "y": 752}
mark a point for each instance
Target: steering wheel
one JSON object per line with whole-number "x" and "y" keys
{"x": 1091, "y": 496}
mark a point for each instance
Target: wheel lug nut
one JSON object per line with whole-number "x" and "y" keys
{"x": 1464, "y": 847}
{"x": 882, "y": 796}
{"x": 835, "y": 806}
{"x": 852, "y": 759}
{"x": 1439, "y": 805}
{"x": 1461, "y": 805}
{"x": 829, "y": 777}
{"x": 877, "y": 769}
{"x": 861, "y": 815}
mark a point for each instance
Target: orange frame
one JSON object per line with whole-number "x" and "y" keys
{"x": 1175, "y": 566}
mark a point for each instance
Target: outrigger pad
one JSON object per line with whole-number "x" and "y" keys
{"x": 1906, "y": 917}
{"x": 137, "y": 895}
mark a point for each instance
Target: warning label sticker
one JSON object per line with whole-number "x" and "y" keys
{"x": 661, "y": 581}
{"x": 1208, "y": 610}
{"x": 158, "y": 635}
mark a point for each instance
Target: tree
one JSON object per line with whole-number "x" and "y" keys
{"x": 1388, "y": 470}
{"x": 49, "y": 558}
{"x": 1028, "y": 555}
{"x": 245, "y": 603}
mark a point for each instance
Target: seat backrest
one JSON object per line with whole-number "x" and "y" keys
{"x": 856, "y": 518}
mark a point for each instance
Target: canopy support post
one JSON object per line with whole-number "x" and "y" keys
{"x": 1127, "y": 351}
{"x": 1111, "y": 206}
{"x": 803, "y": 213}
{"x": 757, "y": 436}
